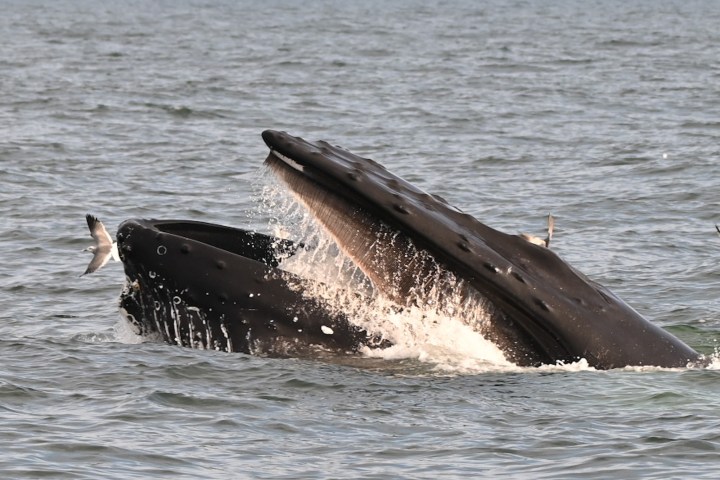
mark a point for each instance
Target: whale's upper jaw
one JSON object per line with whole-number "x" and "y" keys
{"x": 558, "y": 311}
{"x": 209, "y": 286}
{"x": 358, "y": 201}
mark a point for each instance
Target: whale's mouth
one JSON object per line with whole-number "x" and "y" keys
{"x": 209, "y": 286}
{"x": 399, "y": 269}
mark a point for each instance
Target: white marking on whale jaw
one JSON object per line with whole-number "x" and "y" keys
{"x": 288, "y": 161}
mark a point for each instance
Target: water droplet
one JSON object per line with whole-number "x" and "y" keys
{"x": 326, "y": 330}
{"x": 162, "y": 250}
{"x": 151, "y": 274}
{"x": 176, "y": 300}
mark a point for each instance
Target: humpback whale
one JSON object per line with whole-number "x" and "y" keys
{"x": 210, "y": 286}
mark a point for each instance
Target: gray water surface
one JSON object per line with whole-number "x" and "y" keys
{"x": 606, "y": 114}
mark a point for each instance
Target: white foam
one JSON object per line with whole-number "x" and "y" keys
{"x": 714, "y": 361}
{"x": 124, "y": 332}
{"x": 432, "y": 337}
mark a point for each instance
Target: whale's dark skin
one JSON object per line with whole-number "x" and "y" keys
{"x": 207, "y": 286}
{"x": 545, "y": 310}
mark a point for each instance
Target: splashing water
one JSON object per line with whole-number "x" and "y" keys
{"x": 441, "y": 325}
{"x": 125, "y": 333}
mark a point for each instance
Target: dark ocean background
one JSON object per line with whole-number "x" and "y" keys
{"x": 605, "y": 114}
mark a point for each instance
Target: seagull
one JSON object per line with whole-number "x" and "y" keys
{"x": 546, "y": 241}
{"x": 104, "y": 248}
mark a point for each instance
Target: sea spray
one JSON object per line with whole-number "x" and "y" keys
{"x": 441, "y": 324}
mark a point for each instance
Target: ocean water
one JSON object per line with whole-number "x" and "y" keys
{"x": 605, "y": 114}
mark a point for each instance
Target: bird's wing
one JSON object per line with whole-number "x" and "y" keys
{"x": 103, "y": 244}
{"x": 550, "y": 228}
{"x": 99, "y": 233}
{"x": 99, "y": 260}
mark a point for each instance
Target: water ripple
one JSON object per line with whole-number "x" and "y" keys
{"x": 603, "y": 115}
